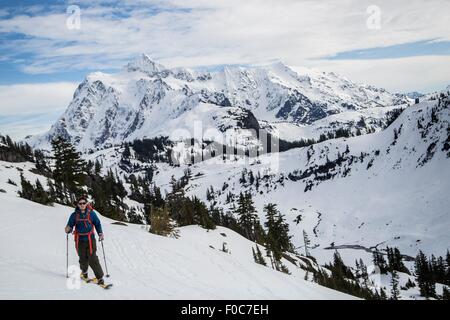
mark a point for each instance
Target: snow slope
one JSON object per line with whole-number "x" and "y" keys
{"x": 385, "y": 189}
{"x": 395, "y": 194}
{"x": 142, "y": 265}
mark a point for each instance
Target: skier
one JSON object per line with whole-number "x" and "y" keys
{"x": 85, "y": 221}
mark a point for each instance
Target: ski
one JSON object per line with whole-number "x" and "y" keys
{"x": 104, "y": 285}
{"x": 94, "y": 281}
{"x": 87, "y": 280}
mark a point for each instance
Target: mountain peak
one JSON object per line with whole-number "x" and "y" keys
{"x": 144, "y": 64}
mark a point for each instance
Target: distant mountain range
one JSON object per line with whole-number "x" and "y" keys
{"x": 145, "y": 99}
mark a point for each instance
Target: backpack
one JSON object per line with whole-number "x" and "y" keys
{"x": 77, "y": 234}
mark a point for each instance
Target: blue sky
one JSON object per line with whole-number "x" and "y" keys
{"x": 411, "y": 49}
{"x": 408, "y": 50}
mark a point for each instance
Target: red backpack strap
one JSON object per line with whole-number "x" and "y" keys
{"x": 75, "y": 231}
{"x": 89, "y": 234}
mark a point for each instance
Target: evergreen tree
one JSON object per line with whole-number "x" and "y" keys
{"x": 251, "y": 178}
{"x": 35, "y": 192}
{"x": 439, "y": 270}
{"x": 69, "y": 168}
{"x": 247, "y": 215}
{"x": 254, "y": 255}
{"x": 379, "y": 261}
{"x": 126, "y": 152}
{"x": 161, "y": 223}
{"x": 260, "y": 257}
{"x": 243, "y": 179}
{"x": 27, "y": 188}
{"x": 339, "y": 269}
{"x": 395, "y": 260}
{"x": 409, "y": 284}
{"x": 277, "y": 236}
{"x": 363, "y": 271}
{"x": 202, "y": 214}
{"x": 445, "y": 293}
{"x": 424, "y": 277}
{"x": 41, "y": 163}
{"x": 382, "y": 294}
{"x": 306, "y": 243}
{"x": 358, "y": 269}
{"x": 97, "y": 168}
{"x": 40, "y": 195}
{"x": 395, "y": 292}
{"x": 447, "y": 261}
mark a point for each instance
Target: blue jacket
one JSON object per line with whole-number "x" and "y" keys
{"x": 81, "y": 226}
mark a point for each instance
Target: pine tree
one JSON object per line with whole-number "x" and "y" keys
{"x": 358, "y": 269}
{"x": 445, "y": 293}
{"x": 447, "y": 273}
{"x": 382, "y": 294}
{"x": 51, "y": 191}
{"x": 126, "y": 152}
{"x": 409, "y": 284}
{"x": 363, "y": 270}
{"x": 27, "y": 188}
{"x": 243, "y": 179}
{"x": 161, "y": 223}
{"x": 306, "y": 243}
{"x": 395, "y": 292}
{"x": 260, "y": 257}
{"x": 69, "y": 168}
{"x": 439, "y": 270}
{"x": 277, "y": 236}
{"x": 40, "y": 195}
{"x": 202, "y": 214}
{"x": 35, "y": 192}
{"x": 395, "y": 260}
{"x": 379, "y": 261}
{"x": 97, "y": 168}
{"x": 254, "y": 255}
{"x": 247, "y": 215}
{"x": 41, "y": 164}
{"x": 424, "y": 277}
{"x": 251, "y": 178}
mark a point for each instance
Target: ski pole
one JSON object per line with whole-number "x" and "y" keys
{"x": 67, "y": 255}
{"x": 104, "y": 258}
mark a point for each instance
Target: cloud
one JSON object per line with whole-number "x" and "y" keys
{"x": 27, "y": 109}
{"x": 424, "y": 74}
{"x": 198, "y": 32}
{"x": 23, "y": 99}
{"x": 18, "y": 127}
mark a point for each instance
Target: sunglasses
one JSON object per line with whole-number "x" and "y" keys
{"x": 81, "y": 203}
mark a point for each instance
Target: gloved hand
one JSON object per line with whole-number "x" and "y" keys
{"x": 101, "y": 237}
{"x": 68, "y": 229}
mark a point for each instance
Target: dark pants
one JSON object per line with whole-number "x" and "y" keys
{"x": 86, "y": 259}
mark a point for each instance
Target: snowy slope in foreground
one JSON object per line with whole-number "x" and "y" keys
{"x": 142, "y": 265}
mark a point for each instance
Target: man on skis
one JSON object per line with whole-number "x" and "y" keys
{"x": 85, "y": 222}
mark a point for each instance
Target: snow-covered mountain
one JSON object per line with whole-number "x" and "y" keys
{"x": 145, "y": 99}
